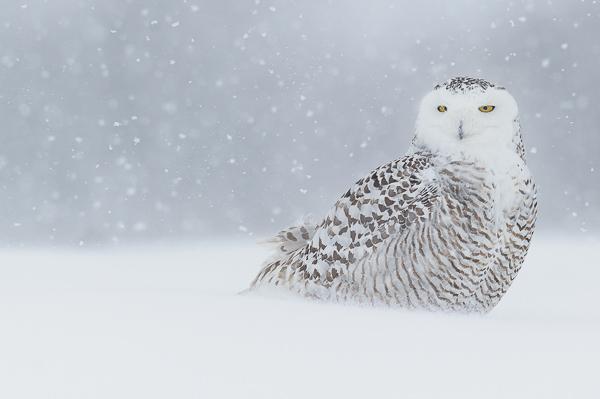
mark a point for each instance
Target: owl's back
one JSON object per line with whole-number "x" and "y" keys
{"x": 424, "y": 231}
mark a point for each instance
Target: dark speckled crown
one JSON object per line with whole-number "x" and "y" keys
{"x": 464, "y": 84}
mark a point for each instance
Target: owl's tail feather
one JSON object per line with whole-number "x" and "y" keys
{"x": 285, "y": 242}
{"x": 293, "y": 238}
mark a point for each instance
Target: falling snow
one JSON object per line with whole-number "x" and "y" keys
{"x": 221, "y": 112}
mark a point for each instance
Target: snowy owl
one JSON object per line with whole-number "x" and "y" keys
{"x": 446, "y": 227}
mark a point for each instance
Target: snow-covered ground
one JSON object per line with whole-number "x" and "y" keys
{"x": 165, "y": 322}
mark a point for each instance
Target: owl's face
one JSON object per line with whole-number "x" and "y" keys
{"x": 467, "y": 115}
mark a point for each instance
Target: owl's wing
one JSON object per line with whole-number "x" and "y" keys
{"x": 378, "y": 206}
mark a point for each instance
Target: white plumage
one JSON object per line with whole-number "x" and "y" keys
{"x": 445, "y": 227}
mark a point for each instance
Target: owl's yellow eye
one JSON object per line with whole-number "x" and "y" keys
{"x": 442, "y": 108}
{"x": 487, "y": 108}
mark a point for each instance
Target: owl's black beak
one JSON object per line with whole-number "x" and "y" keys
{"x": 461, "y": 132}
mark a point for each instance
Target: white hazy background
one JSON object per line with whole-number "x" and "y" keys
{"x": 146, "y": 145}
{"x": 132, "y": 120}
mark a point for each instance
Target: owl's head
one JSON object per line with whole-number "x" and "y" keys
{"x": 467, "y": 115}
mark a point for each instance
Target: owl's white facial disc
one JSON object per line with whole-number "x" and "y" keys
{"x": 452, "y": 118}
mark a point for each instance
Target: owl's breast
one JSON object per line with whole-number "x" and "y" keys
{"x": 497, "y": 179}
